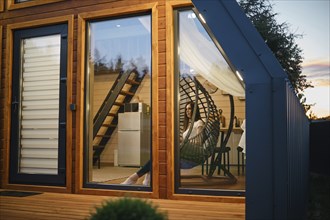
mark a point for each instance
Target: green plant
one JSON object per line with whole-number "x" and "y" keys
{"x": 127, "y": 209}
{"x": 319, "y": 198}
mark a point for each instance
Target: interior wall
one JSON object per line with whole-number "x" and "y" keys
{"x": 102, "y": 84}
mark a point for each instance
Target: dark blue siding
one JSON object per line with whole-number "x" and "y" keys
{"x": 277, "y": 129}
{"x": 290, "y": 153}
{"x": 298, "y": 157}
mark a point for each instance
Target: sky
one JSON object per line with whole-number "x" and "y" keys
{"x": 311, "y": 19}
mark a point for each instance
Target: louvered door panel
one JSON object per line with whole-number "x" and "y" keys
{"x": 40, "y": 105}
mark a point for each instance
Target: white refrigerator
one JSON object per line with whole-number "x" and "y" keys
{"x": 133, "y": 138}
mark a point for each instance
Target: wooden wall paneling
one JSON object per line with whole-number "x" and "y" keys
{"x": 108, "y": 13}
{"x": 8, "y": 86}
{"x": 7, "y": 97}
{"x": 155, "y": 109}
{"x": 63, "y": 7}
{"x": 170, "y": 5}
{"x": 69, "y": 113}
{"x": 162, "y": 82}
{"x": 169, "y": 103}
{"x": 81, "y": 35}
{"x": 2, "y": 5}
{"x": 2, "y": 143}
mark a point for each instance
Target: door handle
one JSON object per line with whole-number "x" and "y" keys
{"x": 15, "y": 104}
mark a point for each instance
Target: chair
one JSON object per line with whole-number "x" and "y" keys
{"x": 240, "y": 155}
{"x": 222, "y": 159}
{"x": 225, "y": 161}
{"x": 203, "y": 147}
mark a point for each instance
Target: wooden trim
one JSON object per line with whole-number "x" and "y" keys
{"x": 170, "y": 5}
{"x": 208, "y": 198}
{"x": 69, "y": 113}
{"x": 121, "y": 11}
{"x": 21, "y": 187}
{"x": 0, "y": 54}
{"x": 108, "y": 13}
{"x": 154, "y": 101}
{"x": 2, "y": 5}
{"x": 7, "y": 98}
{"x": 8, "y": 88}
{"x": 11, "y": 5}
{"x": 41, "y": 22}
{"x": 2, "y": 126}
{"x": 80, "y": 103}
{"x": 170, "y": 100}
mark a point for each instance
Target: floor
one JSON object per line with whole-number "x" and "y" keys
{"x": 55, "y": 206}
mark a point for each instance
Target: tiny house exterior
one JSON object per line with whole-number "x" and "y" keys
{"x": 91, "y": 91}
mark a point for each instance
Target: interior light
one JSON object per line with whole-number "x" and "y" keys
{"x": 191, "y": 15}
{"x": 239, "y": 75}
{"x": 202, "y": 18}
{"x": 118, "y": 25}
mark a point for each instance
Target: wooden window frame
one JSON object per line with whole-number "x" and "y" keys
{"x": 11, "y": 5}
{"x": 83, "y": 18}
{"x": 0, "y": 54}
{"x": 7, "y": 116}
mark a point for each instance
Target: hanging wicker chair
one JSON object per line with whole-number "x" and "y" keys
{"x": 199, "y": 148}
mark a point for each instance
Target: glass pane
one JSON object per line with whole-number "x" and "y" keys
{"x": 40, "y": 105}
{"x": 207, "y": 153}
{"x": 118, "y": 100}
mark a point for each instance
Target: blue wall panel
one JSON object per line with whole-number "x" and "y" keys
{"x": 277, "y": 129}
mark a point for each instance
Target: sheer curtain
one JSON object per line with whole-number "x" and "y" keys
{"x": 199, "y": 52}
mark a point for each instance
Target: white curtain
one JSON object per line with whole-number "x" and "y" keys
{"x": 199, "y": 52}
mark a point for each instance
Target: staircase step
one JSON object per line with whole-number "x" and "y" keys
{"x": 126, "y": 93}
{"x": 96, "y": 147}
{"x": 119, "y": 103}
{"x": 112, "y": 114}
{"x": 109, "y": 125}
{"x": 103, "y": 135}
{"x": 132, "y": 82}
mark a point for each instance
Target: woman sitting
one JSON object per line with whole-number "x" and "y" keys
{"x": 184, "y": 164}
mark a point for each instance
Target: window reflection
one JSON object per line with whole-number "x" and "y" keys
{"x": 210, "y": 111}
{"x": 118, "y": 99}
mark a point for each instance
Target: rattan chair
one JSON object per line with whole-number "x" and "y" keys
{"x": 202, "y": 148}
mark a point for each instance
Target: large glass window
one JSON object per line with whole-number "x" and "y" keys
{"x": 118, "y": 101}
{"x": 210, "y": 113}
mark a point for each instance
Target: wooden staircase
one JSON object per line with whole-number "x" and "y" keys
{"x": 106, "y": 119}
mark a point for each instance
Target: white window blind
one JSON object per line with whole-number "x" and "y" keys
{"x": 40, "y": 105}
